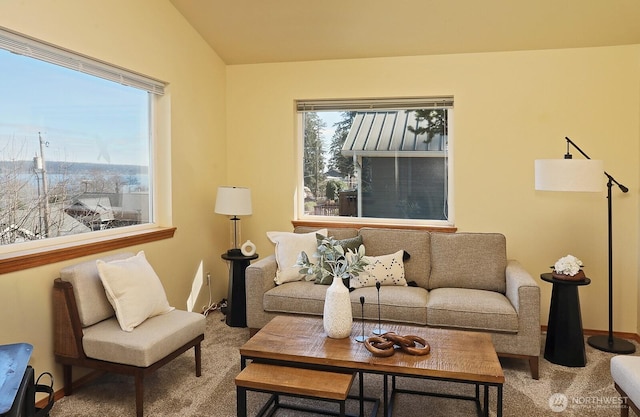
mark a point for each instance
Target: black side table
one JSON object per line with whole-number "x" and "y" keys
{"x": 236, "y": 298}
{"x": 565, "y": 339}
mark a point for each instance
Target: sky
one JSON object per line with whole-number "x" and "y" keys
{"x": 330, "y": 118}
{"x": 81, "y": 118}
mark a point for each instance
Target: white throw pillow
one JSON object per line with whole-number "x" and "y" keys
{"x": 386, "y": 269}
{"x": 288, "y": 247}
{"x": 133, "y": 289}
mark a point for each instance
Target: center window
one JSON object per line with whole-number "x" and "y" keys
{"x": 381, "y": 159}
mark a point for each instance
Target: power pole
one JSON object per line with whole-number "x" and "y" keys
{"x": 45, "y": 186}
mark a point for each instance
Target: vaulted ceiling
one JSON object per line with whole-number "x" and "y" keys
{"x": 256, "y": 31}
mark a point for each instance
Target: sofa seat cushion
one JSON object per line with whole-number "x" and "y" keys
{"x": 151, "y": 341}
{"x": 399, "y": 304}
{"x": 471, "y": 309}
{"x": 625, "y": 371}
{"x": 302, "y": 297}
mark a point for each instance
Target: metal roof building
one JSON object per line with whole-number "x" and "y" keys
{"x": 386, "y": 133}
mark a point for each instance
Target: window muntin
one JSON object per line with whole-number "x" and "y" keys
{"x": 75, "y": 148}
{"x": 382, "y": 160}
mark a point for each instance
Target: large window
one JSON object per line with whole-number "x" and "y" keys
{"x": 75, "y": 143}
{"x": 377, "y": 159}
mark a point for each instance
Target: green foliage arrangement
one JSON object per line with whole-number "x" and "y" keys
{"x": 332, "y": 260}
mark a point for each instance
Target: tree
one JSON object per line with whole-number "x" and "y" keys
{"x": 333, "y": 188}
{"x": 313, "y": 153}
{"x": 22, "y": 208}
{"x": 117, "y": 181}
{"x": 339, "y": 162}
{"x": 132, "y": 181}
{"x": 436, "y": 123}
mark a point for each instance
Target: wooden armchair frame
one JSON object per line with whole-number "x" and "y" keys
{"x": 69, "y": 352}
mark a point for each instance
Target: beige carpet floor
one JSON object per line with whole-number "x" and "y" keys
{"x": 175, "y": 391}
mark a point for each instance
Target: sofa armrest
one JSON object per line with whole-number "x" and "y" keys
{"x": 521, "y": 287}
{"x": 259, "y": 279}
{"x": 524, "y": 293}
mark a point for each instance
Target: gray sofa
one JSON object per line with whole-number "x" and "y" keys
{"x": 456, "y": 280}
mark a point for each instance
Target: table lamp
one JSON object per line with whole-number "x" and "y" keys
{"x": 234, "y": 201}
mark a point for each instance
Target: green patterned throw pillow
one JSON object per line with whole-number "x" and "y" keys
{"x": 352, "y": 243}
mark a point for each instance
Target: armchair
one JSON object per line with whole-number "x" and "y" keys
{"x": 87, "y": 332}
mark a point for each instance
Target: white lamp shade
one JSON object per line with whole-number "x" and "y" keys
{"x": 569, "y": 175}
{"x": 233, "y": 201}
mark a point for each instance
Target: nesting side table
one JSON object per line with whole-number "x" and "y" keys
{"x": 565, "y": 339}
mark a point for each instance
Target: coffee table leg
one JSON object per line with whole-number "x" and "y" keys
{"x": 241, "y": 400}
{"x": 386, "y": 396}
{"x": 486, "y": 400}
{"x": 361, "y": 383}
{"x": 499, "y": 402}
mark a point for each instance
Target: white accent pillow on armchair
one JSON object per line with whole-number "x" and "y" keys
{"x": 133, "y": 289}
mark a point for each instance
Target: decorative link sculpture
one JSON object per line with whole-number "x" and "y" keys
{"x": 385, "y": 345}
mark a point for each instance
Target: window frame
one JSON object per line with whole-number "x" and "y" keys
{"x": 21, "y": 256}
{"x": 24, "y": 259}
{"x": 397, "y": 103}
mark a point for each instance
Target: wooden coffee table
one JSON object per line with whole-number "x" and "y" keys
{"x": 458, "y": 356}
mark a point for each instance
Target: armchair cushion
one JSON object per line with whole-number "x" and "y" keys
{"x": 625, "y": 371}
{"x": 133, "y": 289}
{"x": 88, "y": 290}
{"x": 151, "y": 341}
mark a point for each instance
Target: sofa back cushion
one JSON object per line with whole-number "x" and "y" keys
{"x": 379, "y": 242}
{"x": 91, "y": 299}
{"x": 468, "y": 260}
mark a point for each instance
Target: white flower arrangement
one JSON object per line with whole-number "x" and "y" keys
{"x": 568, "y": 265}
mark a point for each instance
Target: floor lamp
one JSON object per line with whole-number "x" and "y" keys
{"x": 585, "y": 175}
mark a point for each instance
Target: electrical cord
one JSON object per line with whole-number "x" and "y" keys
{"x": 211, "y": 306}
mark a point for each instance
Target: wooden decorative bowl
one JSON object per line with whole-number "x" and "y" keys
{"x": 580, "y": 276}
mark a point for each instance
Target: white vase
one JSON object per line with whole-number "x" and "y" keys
{"x": 337, "y": 318}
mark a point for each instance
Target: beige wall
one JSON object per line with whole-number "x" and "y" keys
{"x": 150, "y": 37}
{"x": 510, "y": 109}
